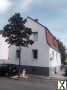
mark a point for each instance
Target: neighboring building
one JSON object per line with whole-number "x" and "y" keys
{"x": 3, "y": 49}
{"x": 43, "y": 56}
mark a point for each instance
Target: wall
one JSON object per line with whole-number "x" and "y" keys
{"x": 40, "y": 44}
{"x": 12, "y": 55}
{"x": 56, "y": 57}
{"x": 55, "y": 63}
{"x": 3, "y": 49}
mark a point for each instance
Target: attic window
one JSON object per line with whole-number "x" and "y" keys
{"x": 35, "y": 36}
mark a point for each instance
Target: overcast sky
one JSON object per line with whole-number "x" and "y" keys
{"x": 51, "y": 13}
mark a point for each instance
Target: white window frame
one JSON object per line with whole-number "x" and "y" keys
{"x": 35, "y": 36}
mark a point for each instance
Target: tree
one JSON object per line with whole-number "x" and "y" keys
{"x": 16, "y": 33}
{"x": 62, "y": 50}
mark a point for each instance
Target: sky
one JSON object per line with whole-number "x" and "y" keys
{"x": 51, "y": 13}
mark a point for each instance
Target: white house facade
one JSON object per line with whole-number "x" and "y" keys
{"x": 43, "y": 56}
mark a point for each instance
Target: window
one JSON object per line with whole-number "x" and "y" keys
{"x": 55, "y": 70}
{"x": 52, "y": 55}
{"x": 35, "y": 36}
{"x": 35, "y": 54}
{"x": 56, "y": 55}
{"x": 18, "y": 53}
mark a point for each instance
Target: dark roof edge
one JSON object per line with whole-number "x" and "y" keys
{"x": 37, "y": 22}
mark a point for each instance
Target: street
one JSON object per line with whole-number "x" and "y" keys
{"x": 33, "y": 84}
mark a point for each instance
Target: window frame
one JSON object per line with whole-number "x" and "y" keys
{"x": 35, "y": 54}
{"x": 35, "y": 36}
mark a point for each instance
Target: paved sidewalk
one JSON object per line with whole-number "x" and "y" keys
{"x": 55, "y": 77}
{"x": 58, "y": 77}
{"x": 30, "y": 76}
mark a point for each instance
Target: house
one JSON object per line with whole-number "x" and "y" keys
{"x": 43, "y": 57}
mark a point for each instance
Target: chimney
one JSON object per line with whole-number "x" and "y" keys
{"x": 36, "y": 20}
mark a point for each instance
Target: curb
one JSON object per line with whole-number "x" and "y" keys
{"x": 49, "y": 78}
{"x": 20, "y": 78}
{"x": 30, "y": 77}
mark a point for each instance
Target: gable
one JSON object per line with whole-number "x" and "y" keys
{"x": 51, "y": 39}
